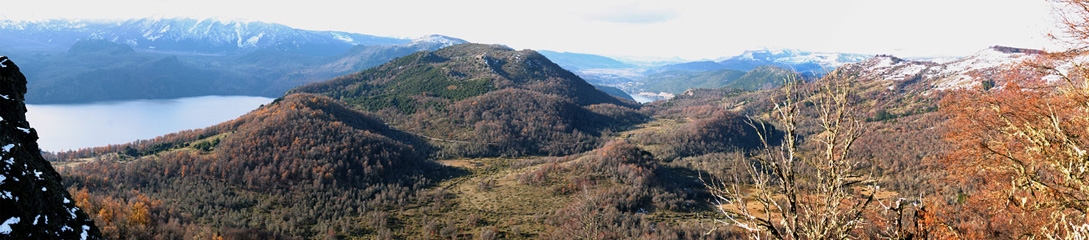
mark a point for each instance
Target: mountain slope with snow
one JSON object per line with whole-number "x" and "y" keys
{"x": 71, "y": 61}
{"x": 965, "y": 72}
{"x": 806, "y": 62}
{"x": 185, "y": 35}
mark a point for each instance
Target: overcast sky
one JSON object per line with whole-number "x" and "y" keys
{"x": 690, "y": 29}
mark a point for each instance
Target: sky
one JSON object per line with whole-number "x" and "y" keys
{"x": 633, "y": 29}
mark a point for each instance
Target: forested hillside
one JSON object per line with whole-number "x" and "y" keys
{"x": 486, "y": 142}
{"x": 485, "y": 100}
{"x": 302, "y": 166}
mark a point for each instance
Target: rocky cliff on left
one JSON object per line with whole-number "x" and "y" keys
{"x": 33, "y": 202}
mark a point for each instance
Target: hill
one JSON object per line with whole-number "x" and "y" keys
{"x": 676, "y": 82}
{"x": 580, "y": 61}
{"x": 461, "y": 95}
{"x": 304, "y": 156}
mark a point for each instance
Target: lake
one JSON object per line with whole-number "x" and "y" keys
{"x": 74, "y": 126}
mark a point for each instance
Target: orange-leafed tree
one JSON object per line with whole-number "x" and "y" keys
{"x": 1020, "y": 152}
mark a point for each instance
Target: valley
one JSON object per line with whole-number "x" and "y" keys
{"x": 339, "y": 135}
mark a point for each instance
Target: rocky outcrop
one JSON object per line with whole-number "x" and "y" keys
{"x": 33, "y": 202}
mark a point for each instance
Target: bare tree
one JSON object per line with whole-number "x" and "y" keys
{"x": 809, "y": 186}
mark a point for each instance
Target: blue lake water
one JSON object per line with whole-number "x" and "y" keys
{"x": 73, "y": 126}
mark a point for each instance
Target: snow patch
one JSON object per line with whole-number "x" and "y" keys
{"x": 884, "y": 63}
{"x": 72, "y": 211}
{"x": 6, "y": 97}
{"x": 43, "y": 189}
{"x": 66, "y": 201}
{"x": 25, "y": 130}
{"x": 252, "y": 41}
{"x": 38, "y": 174}
{"x": 3, "y": 178}
{"x": 343, "y": 38}
{"x": 83, "y": 235}
{"x": 5, "y": 228}
{"x": 7, "y": 148}
{"x": 36, "y": 220}
{"x": 2, "y": 63}
{"x": 444, "y": 41}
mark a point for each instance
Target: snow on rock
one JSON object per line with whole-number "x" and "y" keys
{"x": 3, "y": 63}
{"x": 83, "y": 235}
{"x": 5, "y": 228}
{"x": 31, "y": 199}
{"x": 799, "y": 57}
{"x": 343, "y": 38}
{"x": 440, "y": 40}
{"x": 961, "y": 73}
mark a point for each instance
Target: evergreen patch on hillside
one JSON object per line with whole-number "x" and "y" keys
{"x": 484, "y": 100}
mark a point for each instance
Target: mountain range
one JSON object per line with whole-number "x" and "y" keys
{"x": 182, "y": 35}
{"x": 88, "y": 61}
{"x": 477, "y": 141}
{"x": 805, "y": 62}
{"x": 72, "y": 61}
{"x": 142, "y": 58}
{"x": 965, "y": 72}
{"x": 668, "y": 79}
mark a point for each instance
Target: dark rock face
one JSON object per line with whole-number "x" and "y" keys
{"x": 33, "y": 202}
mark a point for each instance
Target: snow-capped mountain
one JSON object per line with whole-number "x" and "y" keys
{"x": 185, "y": 35}
{"x": 961, "y": 73}
{"x": 435, "y": 41}
{"x": 800, "y": 59}
{"x": 168, "y": 58}
{"x": 814, "y": 63}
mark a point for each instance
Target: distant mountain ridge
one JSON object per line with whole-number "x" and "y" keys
{"x": 965, "y": 72}
{"x": 209, "y": 36}
{"x": 805, "y": 62}
{"x": 159, "y": 58}
{"x": 578, "y": 61}
{"x": 678, "y": 77}
{"x": 676, "y": 82}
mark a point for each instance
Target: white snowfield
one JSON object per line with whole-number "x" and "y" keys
{"x": 965, "y": 72}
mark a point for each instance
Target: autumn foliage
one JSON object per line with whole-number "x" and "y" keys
{"x": 1021, "y": 153}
